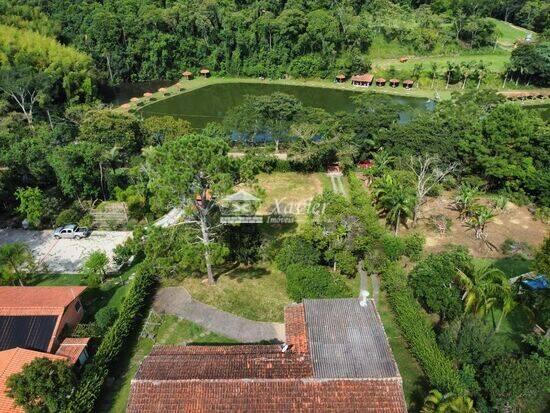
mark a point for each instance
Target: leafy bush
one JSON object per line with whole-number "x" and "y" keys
{"x": 106, "y": 317}
{"x": 432, "y": 280}
{"x": 131, "y": 313}
{"x": 393, "y": 246}
{"x": 83, "y": 330}
{"x": 86, "y": 221}
{"x": 512, "y": 247}
{"x": 314, "y": 281}
{"x": 94, "y": 268}
{"x": 419, "y": 333}
{"x": 414, "y": 245}
{"x": 346, "y": 263}
{"x": 67, "y": 216}
{"x": 296, "y": 250}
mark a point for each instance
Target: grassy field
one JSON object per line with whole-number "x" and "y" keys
{"x": 509, "y": 33}
{"x": 170, "y": 330}
{"x": 256, "y": 293}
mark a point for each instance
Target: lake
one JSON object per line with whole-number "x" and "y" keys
{"x": 211, "y": 103}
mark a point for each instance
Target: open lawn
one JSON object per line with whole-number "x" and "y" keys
{"x": 508, "y": 33}
{"x": 257, "y": 293}
{"x": 161, "y": 330}
{"x": 288, "y": 191}
{"x": 496, "y": 62}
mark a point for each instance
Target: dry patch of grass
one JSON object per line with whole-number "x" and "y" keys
{"x": 257, "y": 293}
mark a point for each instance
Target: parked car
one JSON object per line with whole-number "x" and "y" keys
{"x": 71, "y": 231}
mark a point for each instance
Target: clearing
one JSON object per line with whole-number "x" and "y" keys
{"x": 64, "y": 255}
{"x": 510, "y": 34}
{"x": 288, "y": 192}
{"x": 514, "y": 222}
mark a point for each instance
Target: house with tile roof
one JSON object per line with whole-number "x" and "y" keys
{"x": 336, "y": 359}
{"x": 12, "y": 361}
{"x": 34, "y": 317}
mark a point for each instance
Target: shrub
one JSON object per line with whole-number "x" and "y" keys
{"x": 346, "y": 263}
{"x": 432, "y": 280}
{"x": 512, "y": 247}
{"x": 296, "y": 250}
{"x": 314, "y": 281}
{"x": 84, "y": 330}
{"x": 86, "y": 221}
{"x": 414, "y": 245}
{"x": 67, "y": 216}
{"x": 106, "y": 317}
{"x": 419, "y": 333}
{"x": 131, "y": 313}
{"x": 94, "y": 268}
{"x": 393, "y": 246}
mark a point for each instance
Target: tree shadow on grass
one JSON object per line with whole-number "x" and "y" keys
{"x": 421, "y": 388}
{"x": 251, "y": 273}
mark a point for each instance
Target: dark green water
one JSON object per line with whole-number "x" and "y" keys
{"x": 211, "y": 103}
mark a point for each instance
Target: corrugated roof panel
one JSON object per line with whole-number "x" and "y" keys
{"x": 347, "y": 340}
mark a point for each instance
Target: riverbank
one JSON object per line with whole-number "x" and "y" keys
{"x": 186, "y": 86}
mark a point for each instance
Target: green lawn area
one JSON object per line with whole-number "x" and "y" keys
{"x": 109, "y": 294}
{"x": 256, "y": 293}
{"x": 169, "y": 330}
{"x": 511, "y": 266}
{"x": 509, "y": 33}
{"x": 496, "y": 62}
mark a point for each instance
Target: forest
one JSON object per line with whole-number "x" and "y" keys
{"x": 442, "y": 277}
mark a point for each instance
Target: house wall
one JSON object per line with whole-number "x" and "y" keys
{"x": 71, "y": 317}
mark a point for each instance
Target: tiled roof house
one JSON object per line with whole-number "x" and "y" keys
{"x": 337, "y": 360}
{"x": 34, "y": 317}
{"x": 11, "y": 362}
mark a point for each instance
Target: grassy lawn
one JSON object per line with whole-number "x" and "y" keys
{"x": 169, "y": 330}
{"x": 288, "y": 190}
{"x": 256, "y": 293}
{"x": 511, "y": 266}
{"x": 109, "y": 294}
{"x": 508, "y": 33}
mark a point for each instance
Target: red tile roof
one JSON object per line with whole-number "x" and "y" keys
{"x": 367, "y": 77}
{"x": 263, "y": 378}
{"x": 72, "y": 348}
{"x": 37, "y": 300}
{"x": 11, "y": 362}
{"x": 288, "y": 396}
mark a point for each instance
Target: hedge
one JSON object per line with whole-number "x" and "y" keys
{"x": 131, "y": 313}
{"x": 314, "y": 281}
{"x": 419, "y": 333}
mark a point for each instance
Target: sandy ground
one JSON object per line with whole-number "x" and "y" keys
{"x": 64, "y": 255}
{"x": 514, "y": 222}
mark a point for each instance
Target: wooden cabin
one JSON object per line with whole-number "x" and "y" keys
{"x": 394, "y": 82}
{"x": 187, "y": 75}
{"x": 364, "y": 80}
{"x": 380, "y": 81}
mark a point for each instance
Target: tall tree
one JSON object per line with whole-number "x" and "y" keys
{"x": 16, "y": 263}
{"x": 192, "y": 172}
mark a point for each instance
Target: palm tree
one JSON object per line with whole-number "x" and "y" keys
{"x": 465, "y": 199}
{"x": 436, "y": 402}
{"x": 433, "y": 70}
{"x": 483, "y": 286}
{"x": 466, "y": 70}
{"x": 507, "y": 302}
{"x": 417, "y": 71}
{"x": 451, "y": 69}
{"x": 395, "y": 201}
{"x": 16, "y": 262}
{"x": 481, "y": 71}
{"x": 480, "y": 216}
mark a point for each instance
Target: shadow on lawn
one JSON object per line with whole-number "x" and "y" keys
{"x": 247, "y": 273}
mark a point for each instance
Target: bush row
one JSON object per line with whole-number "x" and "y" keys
{"x": 418, "y": 332}
{"x": 131, "y": 313}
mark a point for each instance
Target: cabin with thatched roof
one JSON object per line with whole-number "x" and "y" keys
{"x": 340, "y": 78}
{"x": 380, "y": 81}
{"x": 187, "y": 75}
{"x": 205, "y": 72}
{"x": 408, "y": 84}
{"x": 394, "y": 82}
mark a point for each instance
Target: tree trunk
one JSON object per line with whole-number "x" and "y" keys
{"x": 478, "y": 83}
{"x": 397, "y": 222}
{"x": 448, "y": 80}
{"x": 500, "y": 319}
{"x": 206, "y": 243}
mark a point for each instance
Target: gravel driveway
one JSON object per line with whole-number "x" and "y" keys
{"x": 64, "y": 255}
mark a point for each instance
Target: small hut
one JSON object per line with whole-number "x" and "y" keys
{"x": 403, "y": 59}
{"x": 162, "y": 89}
{"x": 340, "y": 78}
{"x": 380, "y": 81}
{"x": 205, "y": 72}
{"x": 134, "y": 99}
{"x": 187, "y": 75}
{"x": 125, "y": 106}
{"x": 147, "y": 94}
{"x": 394, "y": 82}
{"x": 408, "y": 84}
{"x": 364, "y": 80}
